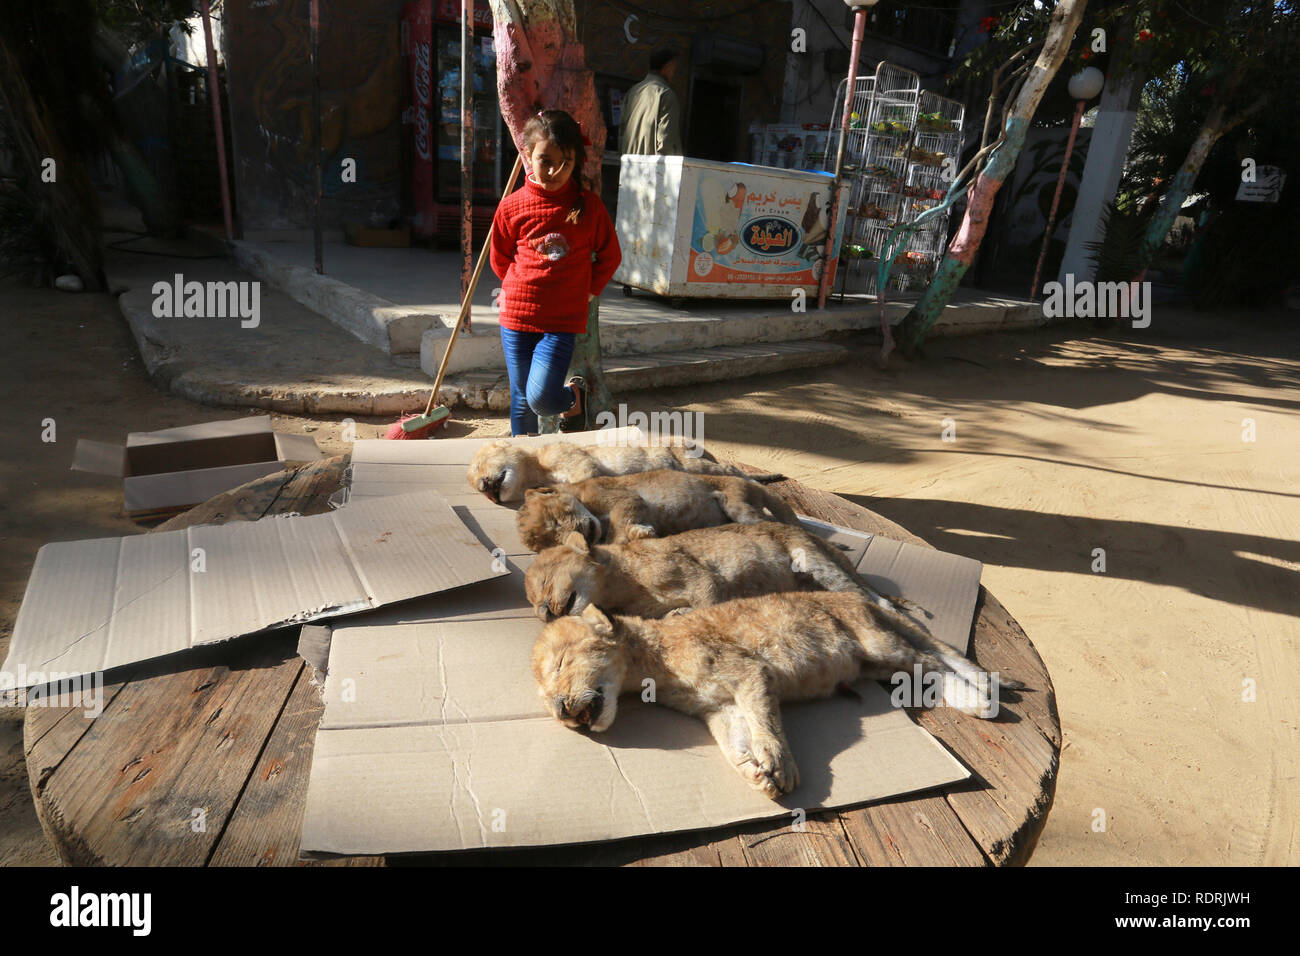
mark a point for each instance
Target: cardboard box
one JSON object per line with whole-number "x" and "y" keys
{"x": 168, "y": 471}
{"x": 434, "y": 738}
{"x": 93, "y": 605}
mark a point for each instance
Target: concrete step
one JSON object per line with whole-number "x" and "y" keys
{"x": 639, "y": 327}
{"x": 484, "y": 388}
{"x": 628, "y": 373}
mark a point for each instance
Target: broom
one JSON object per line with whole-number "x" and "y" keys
{"x": 422, "y": 426}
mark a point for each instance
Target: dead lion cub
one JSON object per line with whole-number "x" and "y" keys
{"x": 732, "y": 664}
{"x": 655, "y": 503}
{"x": 656, "y": 576}
{"x": 503, "y": 471}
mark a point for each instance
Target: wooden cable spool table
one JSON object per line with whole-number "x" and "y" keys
{"x": 202, "y": 758}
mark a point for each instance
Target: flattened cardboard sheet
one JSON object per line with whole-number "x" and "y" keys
{"x": 92, "y": 605}
{"x": 434, "y": 739}
{"x": 946, "y": 585}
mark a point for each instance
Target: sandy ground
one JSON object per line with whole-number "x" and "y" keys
{"x": 1066, "y": 441}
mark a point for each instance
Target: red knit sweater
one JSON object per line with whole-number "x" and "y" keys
{"x": 543, "y": 252}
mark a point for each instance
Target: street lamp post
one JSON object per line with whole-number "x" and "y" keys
{"x": 859, "y": 8}
{"x": 1084, "y": 85}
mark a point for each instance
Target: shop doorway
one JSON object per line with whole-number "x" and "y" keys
{"x": 714, "y": 130}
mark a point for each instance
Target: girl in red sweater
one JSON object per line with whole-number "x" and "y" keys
{"x": 554, "y": 248}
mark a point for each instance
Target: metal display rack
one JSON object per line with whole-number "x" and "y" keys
{"x": 900, "y": 156}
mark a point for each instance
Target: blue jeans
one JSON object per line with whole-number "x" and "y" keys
{"x": 538, "y": 364}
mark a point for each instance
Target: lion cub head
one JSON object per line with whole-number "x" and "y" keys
{"x": 579, "y": 668}
{"x": 548, "y": 516}
{"x": 563, "y": 580}
{"x": 498, "y": 470}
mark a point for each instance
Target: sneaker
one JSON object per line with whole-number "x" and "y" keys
{"x": 578, "y": 422}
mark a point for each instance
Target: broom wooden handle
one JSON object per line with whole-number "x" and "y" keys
{"x": 469, "y": 293}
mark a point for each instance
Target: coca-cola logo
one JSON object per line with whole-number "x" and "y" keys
{"x": 423, "y": 99}
{"x": 424, "y": 73}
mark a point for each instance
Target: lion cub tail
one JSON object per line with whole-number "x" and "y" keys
{"x": 966, "y": 687}
{"x": 705, "y": 466}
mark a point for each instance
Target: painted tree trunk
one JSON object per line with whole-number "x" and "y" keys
{"x": 1180, "y": 187}
{"x": 541, "y": 65}
{"x": 1001, "y": 164}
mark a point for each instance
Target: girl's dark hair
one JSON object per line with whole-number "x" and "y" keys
{"x": 563, "y": 130}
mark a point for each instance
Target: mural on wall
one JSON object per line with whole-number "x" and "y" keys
{"x": 270, "y": 106}
{"x": 1029, "y": 199}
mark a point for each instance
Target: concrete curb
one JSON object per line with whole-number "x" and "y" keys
{"x": 214, "y": 385}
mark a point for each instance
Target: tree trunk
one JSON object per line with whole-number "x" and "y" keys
{"x": 541, "y": 65}
{"x": 1171, "y": 203}
{"x": 1002, "y": 162}
{"x": 148, "y": 189}
{"x": 68, "y": 203}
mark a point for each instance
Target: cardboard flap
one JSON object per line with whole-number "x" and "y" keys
{"x": 229, "y": 428}
{"x": 100, "y": 458}
{"x": 182, "y": 489}
{"x": 946, "y": 585}
{"x": 92, "y": 605}
{"x": 297, "y": 447}
{"x": 314, "y": 648}
{"x": 852, "y": 543}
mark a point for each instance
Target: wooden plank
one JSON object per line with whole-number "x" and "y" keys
{"x": 169, "y": 743}
{"x": 303, "y": 490}
{"x": 1005, "y": 808}
{"x": 910, "y": 831}
{"x": 49, "y": 733}
{"x": 709, "y": 848}
{"x": 265, "y": 828}
{"x": 1001, "y": 645}
{"x": 819, "y": 841}
{"x": 832, "y": 508}
{"x": 308, "y": 489}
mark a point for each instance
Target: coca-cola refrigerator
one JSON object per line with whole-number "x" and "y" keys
{"x": 431, "y": 39}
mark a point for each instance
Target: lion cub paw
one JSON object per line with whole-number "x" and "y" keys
{"x": 770, "y": 768}
{"x": 635, "y": 531}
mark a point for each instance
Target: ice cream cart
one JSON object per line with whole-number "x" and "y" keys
{"x": 697, "y": 228}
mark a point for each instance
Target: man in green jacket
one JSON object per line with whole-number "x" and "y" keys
{"x": 652, "y": 117}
